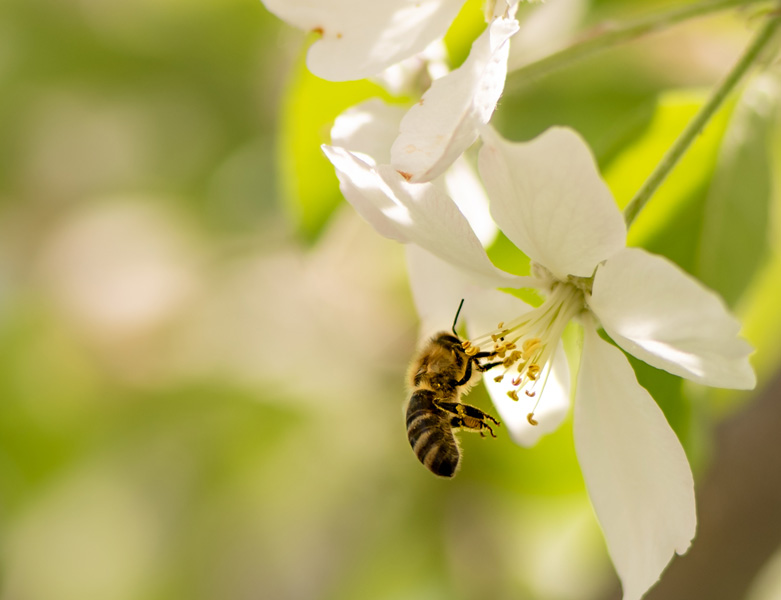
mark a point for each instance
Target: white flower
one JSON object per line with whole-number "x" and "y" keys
{"x": 446, "y": 120}
{"x": 369, "y": 128}
{"x": 548, "y": 198}
{"x": 360, "y": 39}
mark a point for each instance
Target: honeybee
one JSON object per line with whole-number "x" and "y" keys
{"x": 440, "y": 374}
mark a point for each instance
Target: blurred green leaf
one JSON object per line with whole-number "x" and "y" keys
{"x": 627, "y": 172}
{"x": 762, "y": 318}
{"x": 759, "y": 307}
{"x": 735, "y": 221}
{"x": 588, "y": 99}
{"x": 309, "y": 107}
{"x": 670, "y": 224}
{"x": 508, "y": 257}
{"x": 469, "y": 24}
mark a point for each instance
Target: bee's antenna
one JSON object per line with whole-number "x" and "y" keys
{"x": 458, "y": 312}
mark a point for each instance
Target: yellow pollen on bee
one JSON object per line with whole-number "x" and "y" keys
{"x": 466, "y": 344}
{"x": 533, "y": 371}
{"x": 531, "y": 419}
{"x": 513, "y": 394}
{"x": 472, "y": 350}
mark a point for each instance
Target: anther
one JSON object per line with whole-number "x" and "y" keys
{"x": 533, "y": 371}
{"x": 513, "y": 394}
{"x": 500, "y": 325}
{"x": 530, "y": 346}
{"x": 498, "y": 378}
{"x": 530, "y": 393}
{"x": 531, "y": 419}
{"x": 517, "y": 380}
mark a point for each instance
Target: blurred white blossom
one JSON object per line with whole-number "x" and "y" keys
{"x": 360, "y": 39}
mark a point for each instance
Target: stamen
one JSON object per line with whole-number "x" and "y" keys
{"x": 533, "y": 372}
{"x": 544, "y": 382}
{"x": 530, "y": 346}
{"x": 527, "y": 344}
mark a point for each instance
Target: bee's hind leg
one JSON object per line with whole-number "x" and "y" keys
{"x": 468, "y": 417}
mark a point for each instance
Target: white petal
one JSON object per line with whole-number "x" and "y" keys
{"x": 363, "y": 187}
{"x": 361, "y": 38}
{"x": 437, "y": 289}
{"x": 635, "y": 469}
{"x": 662, "y": 315}
{"x": 445, "y": 122}
{"x": 403, "y": 78}
{"x": 547, "y": 196}
{"x": 416, "y": 213}
{"x": 369, "y": 128}
{"x": 464, "y": 187}
{"x": 482, "y": 313}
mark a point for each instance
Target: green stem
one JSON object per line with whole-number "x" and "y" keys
{"x": 608, "y": 37}
{"x": 696, "y": 125}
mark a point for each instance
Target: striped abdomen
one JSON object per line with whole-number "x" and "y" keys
{"x": 431, "y": 435}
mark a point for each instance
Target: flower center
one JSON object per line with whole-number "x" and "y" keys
{"x": 525, "y": 345}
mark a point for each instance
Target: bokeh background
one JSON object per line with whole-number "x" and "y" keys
{"x": 202, "y": 348}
